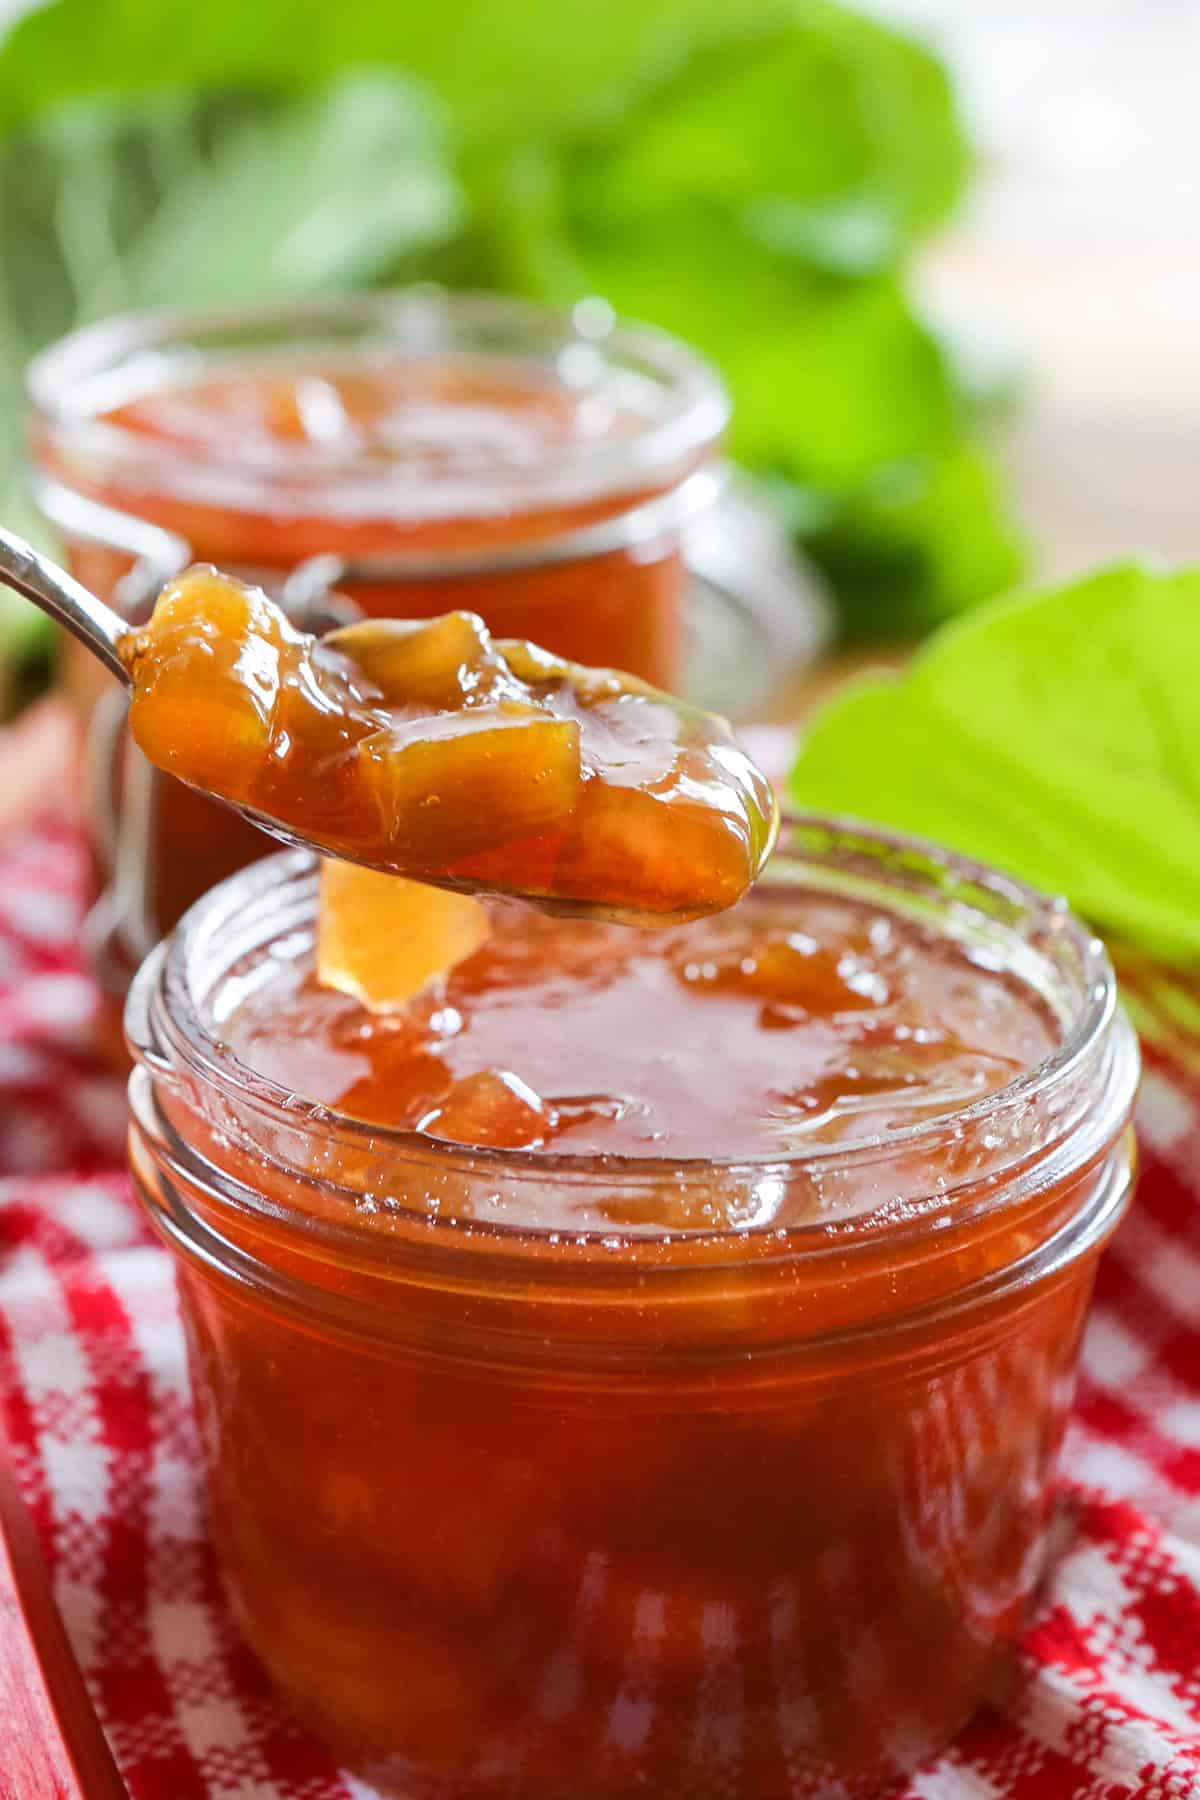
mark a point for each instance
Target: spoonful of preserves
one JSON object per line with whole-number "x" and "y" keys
{"x": 429, "y": 749}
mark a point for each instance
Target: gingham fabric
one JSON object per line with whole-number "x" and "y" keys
{"x": 94, "y": 1400}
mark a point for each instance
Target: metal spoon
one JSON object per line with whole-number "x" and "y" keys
{"x": 95, "y": 625}
{"x": 101, "y": 630}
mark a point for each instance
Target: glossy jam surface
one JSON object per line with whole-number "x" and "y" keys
{"x": 424, "y": 424}
{"x": 592, "y": 1039}
{"x": 436, "y": 752}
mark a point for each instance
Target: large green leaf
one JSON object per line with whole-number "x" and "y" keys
{"x": 509, "y": 66}
{"x": 755, "y": 198}
{"x": 920, "y": 541}
{"x": 829, "y": 378}
{"x": 277, "y": 209}
{"x": 1054, "y": 734}
{"x": 798, "y": 99}
{"x": 830, "y": 140}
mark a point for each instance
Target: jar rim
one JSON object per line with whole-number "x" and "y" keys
{"x": 164, "y": 1015}
{"x": 71, "y": 383}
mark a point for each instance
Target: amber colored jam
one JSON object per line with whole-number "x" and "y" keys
{"x": 436, "y": 444}
{"x": 551, "y": 1453}
{"x": 437, "y": 752}
{"x": 594, "y": 1039}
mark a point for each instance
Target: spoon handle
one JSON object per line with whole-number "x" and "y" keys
{"x": 96, "y": 625}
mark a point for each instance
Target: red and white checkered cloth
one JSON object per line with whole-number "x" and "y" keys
{"x": 93, "y": 1396}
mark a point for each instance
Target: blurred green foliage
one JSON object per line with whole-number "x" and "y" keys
{"x": 754, "y": 174}
{"x": 1051, "y": 734}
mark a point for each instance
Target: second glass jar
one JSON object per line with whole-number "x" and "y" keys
{"x": 410, "y": 453}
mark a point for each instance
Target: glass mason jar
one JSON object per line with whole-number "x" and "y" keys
{"x": 401, "y": 454}
{"x": 511, "y": 1513}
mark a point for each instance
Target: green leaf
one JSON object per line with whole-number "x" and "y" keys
{"x": 754, "y": 198}
{"x": 920, "y": 542}
{"x": 277, "y": 209}
{"x": 508, "y": 67}
{"x": 830, "y": 378}
{"x": 796, "y": 101}
{"x": 1055, "y": 735}
{"x": 833, "y": 141}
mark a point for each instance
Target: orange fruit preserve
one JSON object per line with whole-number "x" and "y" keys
{"x": 434, "y": 750}
{"x": 634, "y": 1362}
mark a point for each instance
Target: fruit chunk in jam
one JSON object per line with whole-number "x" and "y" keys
{"x": 434, "y": 751}
{"x": 383, "y": 939}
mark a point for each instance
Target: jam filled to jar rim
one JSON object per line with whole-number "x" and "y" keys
{"x": 678, "y": 406}
{"x": 1042, "y": 1128}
